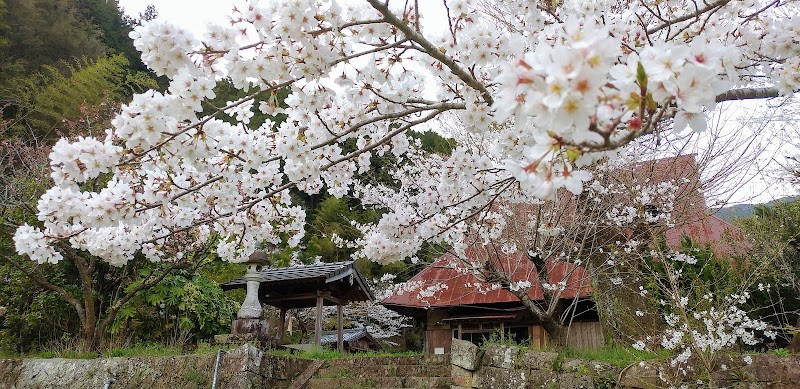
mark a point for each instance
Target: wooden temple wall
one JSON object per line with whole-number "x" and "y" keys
{"x": 437, "y": 335}
{"x": 585, "y": 335}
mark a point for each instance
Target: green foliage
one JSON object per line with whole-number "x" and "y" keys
{"x": 710, "y": 274}
{"x": 333, "y": 216}
{"x": 136, "y": 350}
{"x": 34, "y": 318}
{"x": 320, "y": 354}
{"x": 776, "y": 231}
{"x": 310, "y": 354}
{"x": 616, "y": 356}
{"x": 4, "y": 26}
{"x": 44, "y": 32}
{"x": 334, "y": 354}
{"x": 67, "y": 354}
{"x": 155, "y": 350}
{"x": 781, "y": 352}
{"x": 114, "y": 27}
{"x": 182, "y": 307}
{"x": 776, "y": 235}
{"x": 51, "y": 98}
{"x": 497, "y": 340}
{"x": 434, "y": 143}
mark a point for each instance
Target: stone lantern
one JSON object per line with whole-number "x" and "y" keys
{"x": 250, "y": 323}
{"x": 251, "y": 307}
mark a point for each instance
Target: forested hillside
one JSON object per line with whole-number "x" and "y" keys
{"x": 65, "y": 67}
{"x": 57, "y": 55}
{"x": 739, "y": 211}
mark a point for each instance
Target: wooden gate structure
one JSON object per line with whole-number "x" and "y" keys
{"x": 309, "y": 286}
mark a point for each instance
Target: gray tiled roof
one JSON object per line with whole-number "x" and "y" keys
{"x": 314, "y": 276}
{"x": 348, "y": 335}
{"x": 329, "y": 271}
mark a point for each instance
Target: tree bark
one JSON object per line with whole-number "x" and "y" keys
{"x": 547, "y": 317}
{"x": 748, "y": 94}
{"x": 553, "y": 327}
{"x": 92, "y": 341}
{"x": 93, "y": 328}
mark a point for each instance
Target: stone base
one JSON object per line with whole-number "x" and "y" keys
{"x": 257, "y": 328}
{"x": 247, "y": 330}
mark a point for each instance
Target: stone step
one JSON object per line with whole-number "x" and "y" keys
{"x": 379, "y": 382}
{"x": 353, "y": 383}
{"x": 427, "y": 382}
{"x": 333, "y": 370}
{"x": 396, "y": 360}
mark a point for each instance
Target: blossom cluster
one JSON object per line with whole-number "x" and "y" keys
{"x": 705, "y": 327}
{"x": 546, "y": 92}
{"x": 83, "y": 160}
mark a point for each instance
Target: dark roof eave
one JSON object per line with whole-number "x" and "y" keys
{"x": 320, "y": 274}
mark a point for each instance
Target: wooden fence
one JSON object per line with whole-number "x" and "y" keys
{"x": 585, "y": 335}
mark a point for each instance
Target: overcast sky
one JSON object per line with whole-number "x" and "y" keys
{"x": 191, "y": 14}
{"x": 194, "y": 15}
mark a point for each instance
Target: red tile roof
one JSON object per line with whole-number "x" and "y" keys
{"x": 445, "y": 283}
{"x": 724, "y": 238}
{"x": 449, "y": 284}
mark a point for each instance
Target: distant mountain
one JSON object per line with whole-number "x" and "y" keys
{"x": 746, "y": 210}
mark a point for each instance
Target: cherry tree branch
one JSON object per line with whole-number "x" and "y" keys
{"x": 325, "y": 167}
{"x": 748, "y": 94}
{"x": 439, "y": 107}
{"x": 688, "y": 16}
{"x": 40, "y": 279}
{"x": 432, "y": 50}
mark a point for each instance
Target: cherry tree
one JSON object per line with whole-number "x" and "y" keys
{"x": 549, "y": 253}
{"x": 563, "y": 84}
{"x": 95, "y": 291}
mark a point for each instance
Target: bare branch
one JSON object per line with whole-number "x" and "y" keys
{"x": 432, "y": 50}
{"x": 710, "y": 7}
{"x": 748, "y": 94}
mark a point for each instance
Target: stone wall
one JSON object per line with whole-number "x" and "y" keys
{"x": 150, "y": 372}
{"x": 499, "y": 367}
{"x": 493, "y": 367}
{"x": 244, "y": 367}
{"x": 765, "y": 371}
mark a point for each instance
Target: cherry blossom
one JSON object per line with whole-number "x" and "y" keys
{"x": 551, "y": 89}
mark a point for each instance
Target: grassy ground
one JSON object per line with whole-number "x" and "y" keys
{"x": 137, "y": 350}
{"x": 616, "y": 356}
{"x": 160, "y": 350}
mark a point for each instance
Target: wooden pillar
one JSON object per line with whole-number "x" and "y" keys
{"x": 282, "y": 326}
{"x": 502, "y": 331}
{"x": 339, "y": 331}
{"x": 460, "y": 332}
{"x": 318, "y": 327}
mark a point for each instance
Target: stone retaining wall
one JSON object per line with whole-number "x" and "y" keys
{"x": 763, "y": 372}
{"x": 493, "y": 367}
{"x": 244, "y": 367}
{"x": 499, "y": 367}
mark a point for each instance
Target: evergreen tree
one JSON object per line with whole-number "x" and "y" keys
{"x": 44, "y": 32}
{"x": 51, "y": 98}
{"x": 114, "y": 27}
